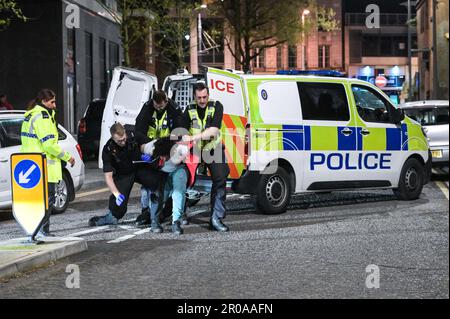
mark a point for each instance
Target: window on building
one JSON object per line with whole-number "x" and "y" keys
{"x": 103, "y": 67}
{"x": 292, "y": 56}
{"x": 259, "y": 60}
{"x": 324, "y": 56}
{"x": 113, "y": 58}
{"x": 323, "y": 101}
{"x": 371, "y": 106}
{"x": 89, "y": 66}
{"x": 280, "y": 64}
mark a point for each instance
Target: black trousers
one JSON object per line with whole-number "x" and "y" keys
{"x": 51, "y": 202}
{"x": 219, "y": 173}
{"x": 144, "y": 175}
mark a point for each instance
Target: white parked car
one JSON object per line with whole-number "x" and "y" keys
{"x": 434, "y": 117}
{"x": 10, "y": 142}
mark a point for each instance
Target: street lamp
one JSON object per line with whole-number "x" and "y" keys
{"x": 304, "y": 13}
{"x": 200, "y": 36}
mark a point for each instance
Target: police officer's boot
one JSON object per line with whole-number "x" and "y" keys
{"x": 144, "y": 218}
{"x": 108, "y": 219}
{"x": 217, "y": 224}
{"x": 176, "y": 228}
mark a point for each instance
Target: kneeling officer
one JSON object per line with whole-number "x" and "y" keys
{"x": 119, "y": 155}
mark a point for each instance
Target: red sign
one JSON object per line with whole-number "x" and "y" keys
{"x": 222, "y": 86}
{"x": 380, "y": 81}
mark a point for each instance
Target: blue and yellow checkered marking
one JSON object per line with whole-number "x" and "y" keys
{"x": 298, "y": 138}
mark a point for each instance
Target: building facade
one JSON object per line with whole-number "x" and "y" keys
{"x": 376, "y": 45}
{"x": 433, "y": 38}
{"x": 70, "y": 46}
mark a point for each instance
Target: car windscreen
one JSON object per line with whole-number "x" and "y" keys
{"x": 429, "y": 116}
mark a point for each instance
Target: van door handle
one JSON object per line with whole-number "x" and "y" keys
{"x": 365, "y": 132}
{"x": 346, "y": 131}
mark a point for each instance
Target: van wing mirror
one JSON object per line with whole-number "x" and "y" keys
{"x": 398, "y": 115}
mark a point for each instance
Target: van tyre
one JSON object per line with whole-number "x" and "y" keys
{"x": 64, "y": 191}
{"x": 273, "y": 192}
{"x": 411, "y": 180}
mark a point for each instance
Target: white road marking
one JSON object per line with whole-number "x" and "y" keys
{"x": 143, "y": 231}
{"x": 245, "y": 197}
{"x": 126, "y": 227}
{"x": 197, "y": 212}
{"x": 443, "y": 187}
{"x": 121, "y": 239}
{"x": 89, "y": 231}
{"x": 103, "y": 190}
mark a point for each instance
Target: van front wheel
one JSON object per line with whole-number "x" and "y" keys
{"x": 411, "y": 180}
{"x": 273, "y": 193}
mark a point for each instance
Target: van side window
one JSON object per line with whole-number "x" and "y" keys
{"x": 323, "y": 101}
{"x": 371, "y": 106}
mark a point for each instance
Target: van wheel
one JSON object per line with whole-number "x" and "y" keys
{"x": 411, "y": 180}
{"x": 64, "y": 190}
{"x": 273, "y": 193}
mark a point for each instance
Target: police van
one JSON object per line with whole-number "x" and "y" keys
{"x": 287, "y": 134}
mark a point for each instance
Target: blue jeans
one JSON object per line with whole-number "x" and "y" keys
{"x": 151, "y": 200}
{"x": 176, "y": 187}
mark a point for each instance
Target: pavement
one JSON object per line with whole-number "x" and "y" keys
{"x": 18, "y": 256}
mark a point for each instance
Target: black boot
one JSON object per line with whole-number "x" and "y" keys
{"x": 144, "y": 218}
{"x": 218, "y": 225}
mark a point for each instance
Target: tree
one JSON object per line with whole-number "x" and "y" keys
{"x": 135, "y": 20}
{"x": 171, "y": 26}
{"x": 8, "y": 11}
{"x": 256, "y": 25}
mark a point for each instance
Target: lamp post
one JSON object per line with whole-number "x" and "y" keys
{"x": 200, "y": 36}
{"x": 304, "y": 13}
{"x": 409, "y": 53}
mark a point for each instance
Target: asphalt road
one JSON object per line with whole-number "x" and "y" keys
{"x": 319, "y": 252}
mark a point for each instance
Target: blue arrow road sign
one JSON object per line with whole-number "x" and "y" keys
{"x": 27, "y": 174}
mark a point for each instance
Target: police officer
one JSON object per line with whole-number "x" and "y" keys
{"x": 203, "y": 119}
{"x": 39, "y": 134}
{"x": 156, "y": 121}
{"x": 119, "y": 156}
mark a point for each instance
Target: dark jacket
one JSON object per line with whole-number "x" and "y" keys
{"x": 145, "y": 120}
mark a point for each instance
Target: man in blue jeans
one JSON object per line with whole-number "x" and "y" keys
{"x": 176, "y": 184}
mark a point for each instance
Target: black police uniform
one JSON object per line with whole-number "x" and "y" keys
{"x": 219, "y": 171}
{"x": 119, "y": 160}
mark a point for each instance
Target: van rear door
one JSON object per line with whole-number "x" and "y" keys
{"x": 129, "y": 90}
{"x": 227, "y": 88}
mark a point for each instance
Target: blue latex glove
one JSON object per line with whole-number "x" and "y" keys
{"x": 146, "y": 158}
{"x": 120, "y": 199}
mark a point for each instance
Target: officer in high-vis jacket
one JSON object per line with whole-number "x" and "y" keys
{"x": 203, "y": 119}
{"x": 157, "y": 120}
{"x": 39, "y": 134}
